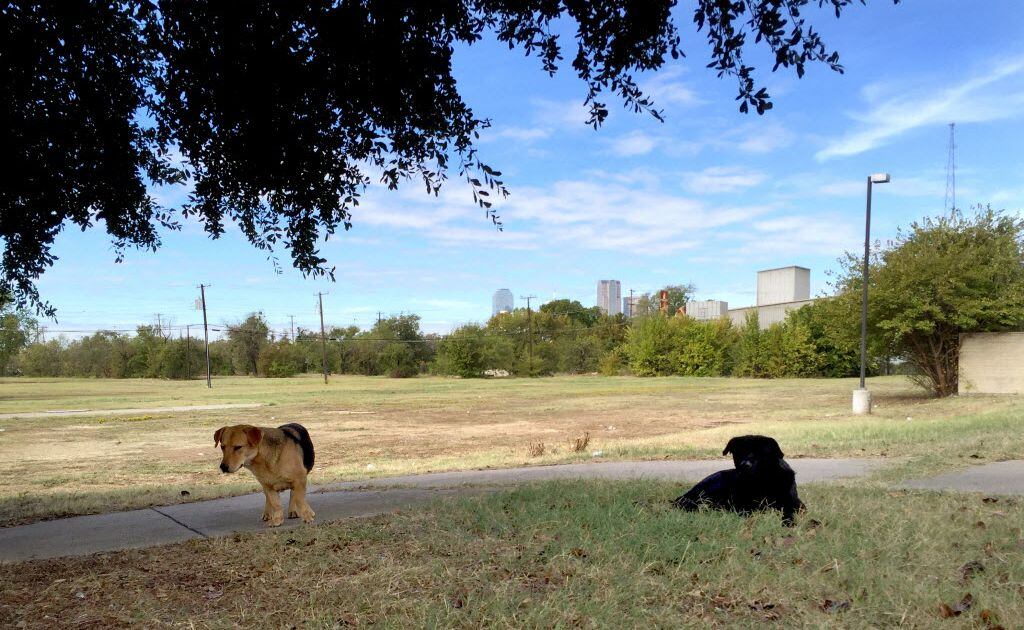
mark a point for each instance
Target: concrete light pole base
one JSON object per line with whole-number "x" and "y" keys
{"x": 861, "y": 401}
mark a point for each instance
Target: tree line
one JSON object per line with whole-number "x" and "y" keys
{"x": 942, "y": 277}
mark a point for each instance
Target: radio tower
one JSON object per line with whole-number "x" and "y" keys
{"x": 950, "y": 203}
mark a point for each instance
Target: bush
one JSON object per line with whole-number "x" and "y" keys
{"x": 660, "y": 346}
{"x": 280, "y": 359}
{"x": 462, "y": 353}
{"x": 398, "y": 360}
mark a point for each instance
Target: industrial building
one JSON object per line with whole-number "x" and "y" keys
{"x": 779, "y": 291}
{"x": 609, "y": 296}
{"x": 502, "y": 302}
{"x": 629, "y": 305}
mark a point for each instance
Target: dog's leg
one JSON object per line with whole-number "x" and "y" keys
{"x": 297, "y": 506}
{"x": 273, "y": 513}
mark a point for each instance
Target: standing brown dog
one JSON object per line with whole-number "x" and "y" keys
{"x": 279, "y": 458}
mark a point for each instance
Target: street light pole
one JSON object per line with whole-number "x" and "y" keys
{"x": 861, "y": 396}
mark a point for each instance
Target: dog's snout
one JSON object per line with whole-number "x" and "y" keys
{"x": 223, "y": 467}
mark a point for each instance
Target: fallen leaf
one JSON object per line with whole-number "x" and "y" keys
{"x": 990, "y": 500}
{"x": 760, "y": 606}
{"x": 835, "y": 605}
{"x": 947, "y": 611}
{"x": 980, "y": 525}
{"x": 969, "y": 569}
{"x": 975, "y": 456}
{"x": 813, "y": 523}
{"x": 185, "y": 493}
{"x": 578, "y": 553}
{"x": 788, "y": 541}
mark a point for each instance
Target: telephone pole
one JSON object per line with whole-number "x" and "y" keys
{"x": 631, "y": 303}
{"x": 323, "y": 337}
{"x": 206, "y": 334}
{"x": 292, "y": 317}
{"x": 529, "y": 325}
{"x": 188, "y": 351}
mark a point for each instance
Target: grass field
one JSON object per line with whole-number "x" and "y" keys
{"x": 365, "y": 427}
{"x": 593, "y": 555}
{"x": 587, "y": 554}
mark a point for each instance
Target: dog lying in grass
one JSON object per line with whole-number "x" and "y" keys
{"x": 280, "y": 459}
{"x": 761, "y": 480}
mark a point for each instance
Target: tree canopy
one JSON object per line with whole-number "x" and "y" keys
{"x": 276, "y": 111}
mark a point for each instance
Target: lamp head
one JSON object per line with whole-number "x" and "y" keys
{"x": 880, "y": 178}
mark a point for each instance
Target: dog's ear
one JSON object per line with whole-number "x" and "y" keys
{"x": 254, "y": 435}
{"x": 777, "y": 449}
{"x": 731, "y": 446}
{"x": 216, "y": 435}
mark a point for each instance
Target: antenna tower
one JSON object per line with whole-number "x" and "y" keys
{"x": 950, "y": 203}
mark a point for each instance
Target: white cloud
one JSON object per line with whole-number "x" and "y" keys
{"x": 976, "y": 99}
{"x": 624, "y": 212}
{"x": 720, "y": 179}
{"x": 764, "y": 138}
{"x": 665, "y": 89}
{"x": 519, "y": 134}
{"x": 633, "y": 144}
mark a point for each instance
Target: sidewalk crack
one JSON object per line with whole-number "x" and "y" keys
{"x": 189, "y": 528}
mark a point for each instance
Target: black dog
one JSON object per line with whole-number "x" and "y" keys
{"x": 761, "y": 480}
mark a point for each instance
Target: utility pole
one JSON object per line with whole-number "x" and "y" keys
{"x": 323, "y": 337}
{"x": 206, "y": 334}
{"x": 631, "y": 303}
{"x": 380, "y": 316}
{"x": 529, "y": 325}
{"x": 292, "y": 317}
{"x": 159, "y": 325}
{"x": 188, "y": 351}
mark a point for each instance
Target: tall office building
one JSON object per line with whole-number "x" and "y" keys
{"x": 609, "y": 296}
{"x": 502, "y": 302}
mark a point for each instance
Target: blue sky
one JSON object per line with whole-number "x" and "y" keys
{"x": 708, "y": 197}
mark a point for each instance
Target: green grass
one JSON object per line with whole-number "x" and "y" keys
{"x": 589, "y": 554}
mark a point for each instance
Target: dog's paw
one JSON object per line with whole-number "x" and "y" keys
{"x": 276, "y": 520}
{"x": 265, "y": 517}
{"x": 293, "y": 514}
{"x": 308, "y": 516}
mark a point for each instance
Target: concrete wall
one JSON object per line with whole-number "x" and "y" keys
{"x": 992, "y": 363}
{"x": 786, "y": 284}
{"x": 766, "y": 315}
{"x": 707, "y": 309}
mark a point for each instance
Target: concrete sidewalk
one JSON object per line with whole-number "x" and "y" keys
{"x": 995, "y": 478}
{"x": 82, "y": 535}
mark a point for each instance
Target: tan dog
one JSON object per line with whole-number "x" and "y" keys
{"x": 279, "y": 458}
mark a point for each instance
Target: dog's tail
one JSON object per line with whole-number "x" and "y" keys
{"x": 300, "y": 435}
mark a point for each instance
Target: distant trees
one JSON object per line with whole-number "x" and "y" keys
{"x": 17, "y": 329}
{"x": 650, "y": 303}
{"x": 246, "y": 341}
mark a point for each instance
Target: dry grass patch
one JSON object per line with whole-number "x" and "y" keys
{"x": 592, "y": 554}
{"x": 368, "y": 427}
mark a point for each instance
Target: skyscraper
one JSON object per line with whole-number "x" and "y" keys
{"x": 609, "y": 296}
{"x": 502, "y": 302}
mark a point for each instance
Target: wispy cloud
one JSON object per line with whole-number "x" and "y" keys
{"x": 633, "y": 144}
{"x": 667, "y": 90}
{"x": 721, "y": 179}
{"x": 976, "y": 99}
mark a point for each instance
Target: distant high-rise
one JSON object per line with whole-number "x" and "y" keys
{"x": 609, "y": 296}
{"x": 502, "y": 302}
